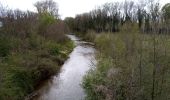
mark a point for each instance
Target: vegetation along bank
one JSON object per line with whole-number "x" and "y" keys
{"x": 133, "y": 43}
{"x": 33, "y": 46}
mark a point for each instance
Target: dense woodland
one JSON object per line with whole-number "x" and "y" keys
{"x": 133, "y": 44}
{"x": 33, "y": 46}
{"x": 148, "y": 15}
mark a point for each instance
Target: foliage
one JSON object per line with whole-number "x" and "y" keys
{"x": 23, "y": 70}
{"x": 166, "y": 11}
{"x": 125, "y": 68}
{"x": 33, "y": 46}
{"x": 47, "y": 6}
{"x": 45, "y": 20}
{"x": 4, "y": 47}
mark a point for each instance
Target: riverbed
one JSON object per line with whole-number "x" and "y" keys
{"x": 66, "y": 85}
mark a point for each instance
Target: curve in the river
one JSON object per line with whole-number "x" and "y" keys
{"x": 67, "y": 84}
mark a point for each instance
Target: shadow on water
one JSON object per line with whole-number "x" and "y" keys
{"x": 67, "y": 84}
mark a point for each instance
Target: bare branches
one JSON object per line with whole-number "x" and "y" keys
{"x": 47, "y": 6}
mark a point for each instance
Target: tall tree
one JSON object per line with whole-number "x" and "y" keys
{"x": 166, "y": 12}
{"x": 47, "y": 6}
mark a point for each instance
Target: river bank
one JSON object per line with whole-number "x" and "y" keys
{"x": 28, "y": 63}
{"x": 66, "y": 85}
{"x": 126, "y": 66}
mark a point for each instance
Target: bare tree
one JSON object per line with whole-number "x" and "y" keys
{"x": 128, "y": 8}
{"x": 47, "y": 6}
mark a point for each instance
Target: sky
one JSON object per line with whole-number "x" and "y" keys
{"x": 67, "y": 8}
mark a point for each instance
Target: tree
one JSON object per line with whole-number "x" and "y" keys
{"x": 128, "y": 8}
{"x": 70, "y": 22}
{"x": 141, "y": 12}
{"x": 47, "y": 6}
{"x": 166, "y": 12}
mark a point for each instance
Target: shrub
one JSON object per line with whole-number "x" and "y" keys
{"x": 57, "y": 31}
{"x": 90, "y": 36}
{"x": 4, "y": 47}
{"x": 44, "y": 70}
{"x": 126, "y": 62}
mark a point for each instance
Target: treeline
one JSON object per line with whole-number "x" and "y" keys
{"x": 149, "y": 15}
{"x": 20, "y": 23}
{"x": 33, "y": 46}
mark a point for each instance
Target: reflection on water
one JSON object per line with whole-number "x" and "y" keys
{"x": 67, "y": 84}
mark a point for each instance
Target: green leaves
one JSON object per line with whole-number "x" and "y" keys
{"x": 166, "y": 11}
{"x": 46, "y": 19}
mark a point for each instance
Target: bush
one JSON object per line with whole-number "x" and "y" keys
{"x": 45, "y": 20}
{"x": 90, "y": 36}
{"x": 34, "y": 46}
{"x": 126, "y": 62}
{"x": 4, "y": 47}
{"x": 44, "y": 70}
{"x": 57, "y": 31}
{"x": 29, "y": 64}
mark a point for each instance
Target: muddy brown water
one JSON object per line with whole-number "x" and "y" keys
{"x": 66, "y": 85}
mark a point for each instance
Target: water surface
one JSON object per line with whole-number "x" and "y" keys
{"x": 67, "y": 84}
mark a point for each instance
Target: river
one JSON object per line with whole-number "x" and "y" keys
{"x": 66, "y": 85}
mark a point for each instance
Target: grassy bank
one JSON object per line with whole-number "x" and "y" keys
{"x": 131, "y": 66}
{"x": 25, "y": 63}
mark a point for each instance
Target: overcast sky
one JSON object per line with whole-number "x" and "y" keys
{"x": 67, "y": 8}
